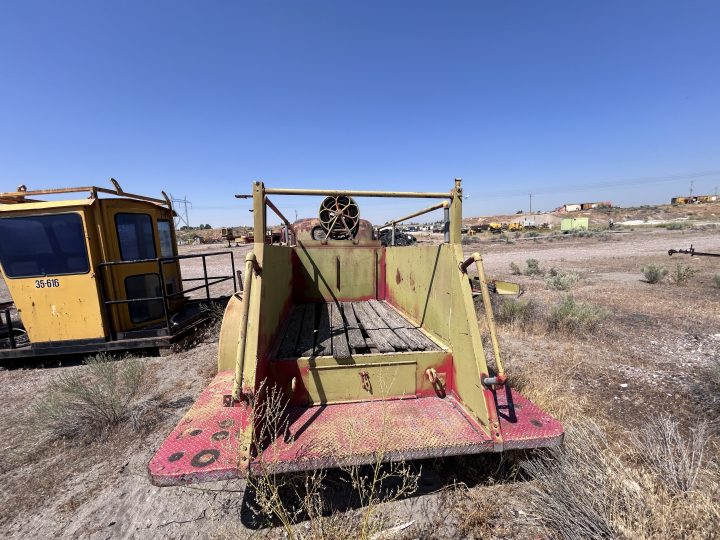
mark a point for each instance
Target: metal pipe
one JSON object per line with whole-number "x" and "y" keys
{"x": 355, "y": 193}
{"x": 443, "y": 204}
{"x": 477, "y": 259}
{"x": 207, "y": 287}
{"x": 250, "y": 265}
{"x": 279, "y": 214}
{"x": 446, "y": 226}
{"x": 392, "y": 237}
{"x": 166, "y": 311}
{"x": 232, "y": 265}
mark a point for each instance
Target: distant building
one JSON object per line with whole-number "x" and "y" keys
{"x": 695, "y": 199}
{"x": 583, "y": 206}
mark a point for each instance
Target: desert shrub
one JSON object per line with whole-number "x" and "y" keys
{"x": 561, "y": 281}
{"x": 532, "y": 234}
{"x": 86, "y": 403}
{"x": 674, "y": 458}
{"x": 654, "y": 273}
{"x": 515, "y": 312}
{"x": 681, "y": 274}
{"x": 717, "y": 280}
{"x": 515, "y": 269}
{"x": 507, "y": 238}
{"x": 581, "y": 489}
{"x": 572, "y": 316}
{"x": 674, "y": 226}
{"x": 533, "y": 268}
{"x": 587, "y": 488}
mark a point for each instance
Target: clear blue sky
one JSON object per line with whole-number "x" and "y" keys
{"x": 201, "y": 98}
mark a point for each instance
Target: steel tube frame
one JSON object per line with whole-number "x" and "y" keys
{"x": 359, "y": 193}
{"x": 279, "y": 214}
{"x": 477, "y": 259}
{"x": 250, "y": 266}
{"x": 392, "y": 223}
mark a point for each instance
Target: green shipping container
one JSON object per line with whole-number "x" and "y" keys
{"x": 574, "y": 224}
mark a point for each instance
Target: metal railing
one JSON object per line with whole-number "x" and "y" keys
{"x": 165, "y": 297}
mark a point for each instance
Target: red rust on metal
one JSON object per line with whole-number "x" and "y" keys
{"x": 523, "y": 424}
{"x": 204, "y": 444}
{"x": 355, "y": 433}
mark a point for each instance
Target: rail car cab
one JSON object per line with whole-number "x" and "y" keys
{"x": 91, "y": 273}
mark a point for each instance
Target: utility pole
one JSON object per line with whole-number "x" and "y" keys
{"x": 691, "y": 186}
{"x": 182, "y": 217}
{"x": 530, "y": 203}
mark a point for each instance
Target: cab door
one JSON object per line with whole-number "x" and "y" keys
{"x": 137, "y": 242}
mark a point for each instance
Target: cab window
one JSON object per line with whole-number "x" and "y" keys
{"x": 166, "y": 241}
{"x": 43, "y": 245}
{"x": 135, "y": 236}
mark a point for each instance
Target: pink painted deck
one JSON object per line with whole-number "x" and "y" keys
{"x": 523, "y": 424}
{"x": 203, "y": 446}
{"x": 357, "y": 433}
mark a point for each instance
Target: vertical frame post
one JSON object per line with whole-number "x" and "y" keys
{"x": 259, "y": 213}
{"x": 446, "y": 224}
{"x": 456, "y": 214}
{"x": 392, "y": 237}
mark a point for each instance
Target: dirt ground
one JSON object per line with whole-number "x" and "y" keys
{"x": 649, "y": 356}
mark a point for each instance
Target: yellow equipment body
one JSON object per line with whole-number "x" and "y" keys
{"x": 341, "y": 351}
{"x": 90, "y": 274}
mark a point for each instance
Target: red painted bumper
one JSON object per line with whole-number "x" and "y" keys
{"x": 204, "y": 446}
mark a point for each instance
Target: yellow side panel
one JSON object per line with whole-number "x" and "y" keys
{"x": 330, "y": 273}
{"x": 425, "y": 283}
{"x": 67, "y": 309}
{"x": 360, "y": 382}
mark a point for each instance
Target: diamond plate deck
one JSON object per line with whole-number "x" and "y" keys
{"x": 523, "y": 424}
{"x": 203, "y": 446}
{"x": 354, "y": 433}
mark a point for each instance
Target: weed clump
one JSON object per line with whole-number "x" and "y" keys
{"x": 588, "y": 488}
{"x": 681, "y": 275}
{"x": 572, "y": 316}
{"x": 559, "y": 280}
{"x": 654, "y": 273}
{"x": 515, "y": 269}
{"x": 87, "y": 403}
{"x": 515, "y": 312}
{"x": 533, "y": 268}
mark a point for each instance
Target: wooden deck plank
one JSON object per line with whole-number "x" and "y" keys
{"x": 355, "y": 336}
{"x": 292, "y": 332}
{"x": 372, "y": 324}
{"x": 340, "y": 346}
{"x": 391, "y": 317}
{"x": 307, "y": 332}
{"x": 323, "y": 347}
{"x": 417, "y": 334}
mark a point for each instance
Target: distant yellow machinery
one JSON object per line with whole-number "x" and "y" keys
{"x": 94, "y": 273}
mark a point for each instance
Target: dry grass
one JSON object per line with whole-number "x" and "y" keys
{"x": 590, "y": 488}
{"x": 654, "y": 273}
{"x": 572, "y": 316}
{"x": 560, "y": 280}
{"x": 681, "y": 275}
{"x": 303, "y": 504}
{"x": 87, "y": 403}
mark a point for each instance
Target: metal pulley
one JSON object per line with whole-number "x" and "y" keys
{"x": 340, "y": 217}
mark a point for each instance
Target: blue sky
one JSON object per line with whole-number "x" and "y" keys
{"x": 565, "y": 99}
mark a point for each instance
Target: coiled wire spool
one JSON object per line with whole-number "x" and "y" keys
{"x": 340, "y": 217}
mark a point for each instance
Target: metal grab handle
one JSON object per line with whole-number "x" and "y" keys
{"x": 477, "y": 259}
{"x": 251, "y": 266}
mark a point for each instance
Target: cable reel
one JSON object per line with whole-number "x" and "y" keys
{"x": 340, "y": 217}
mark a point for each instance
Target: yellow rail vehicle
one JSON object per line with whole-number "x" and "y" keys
{"x": 91, "y": 274}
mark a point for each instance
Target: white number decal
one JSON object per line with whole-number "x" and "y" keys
{"x": 49, "y": 283}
